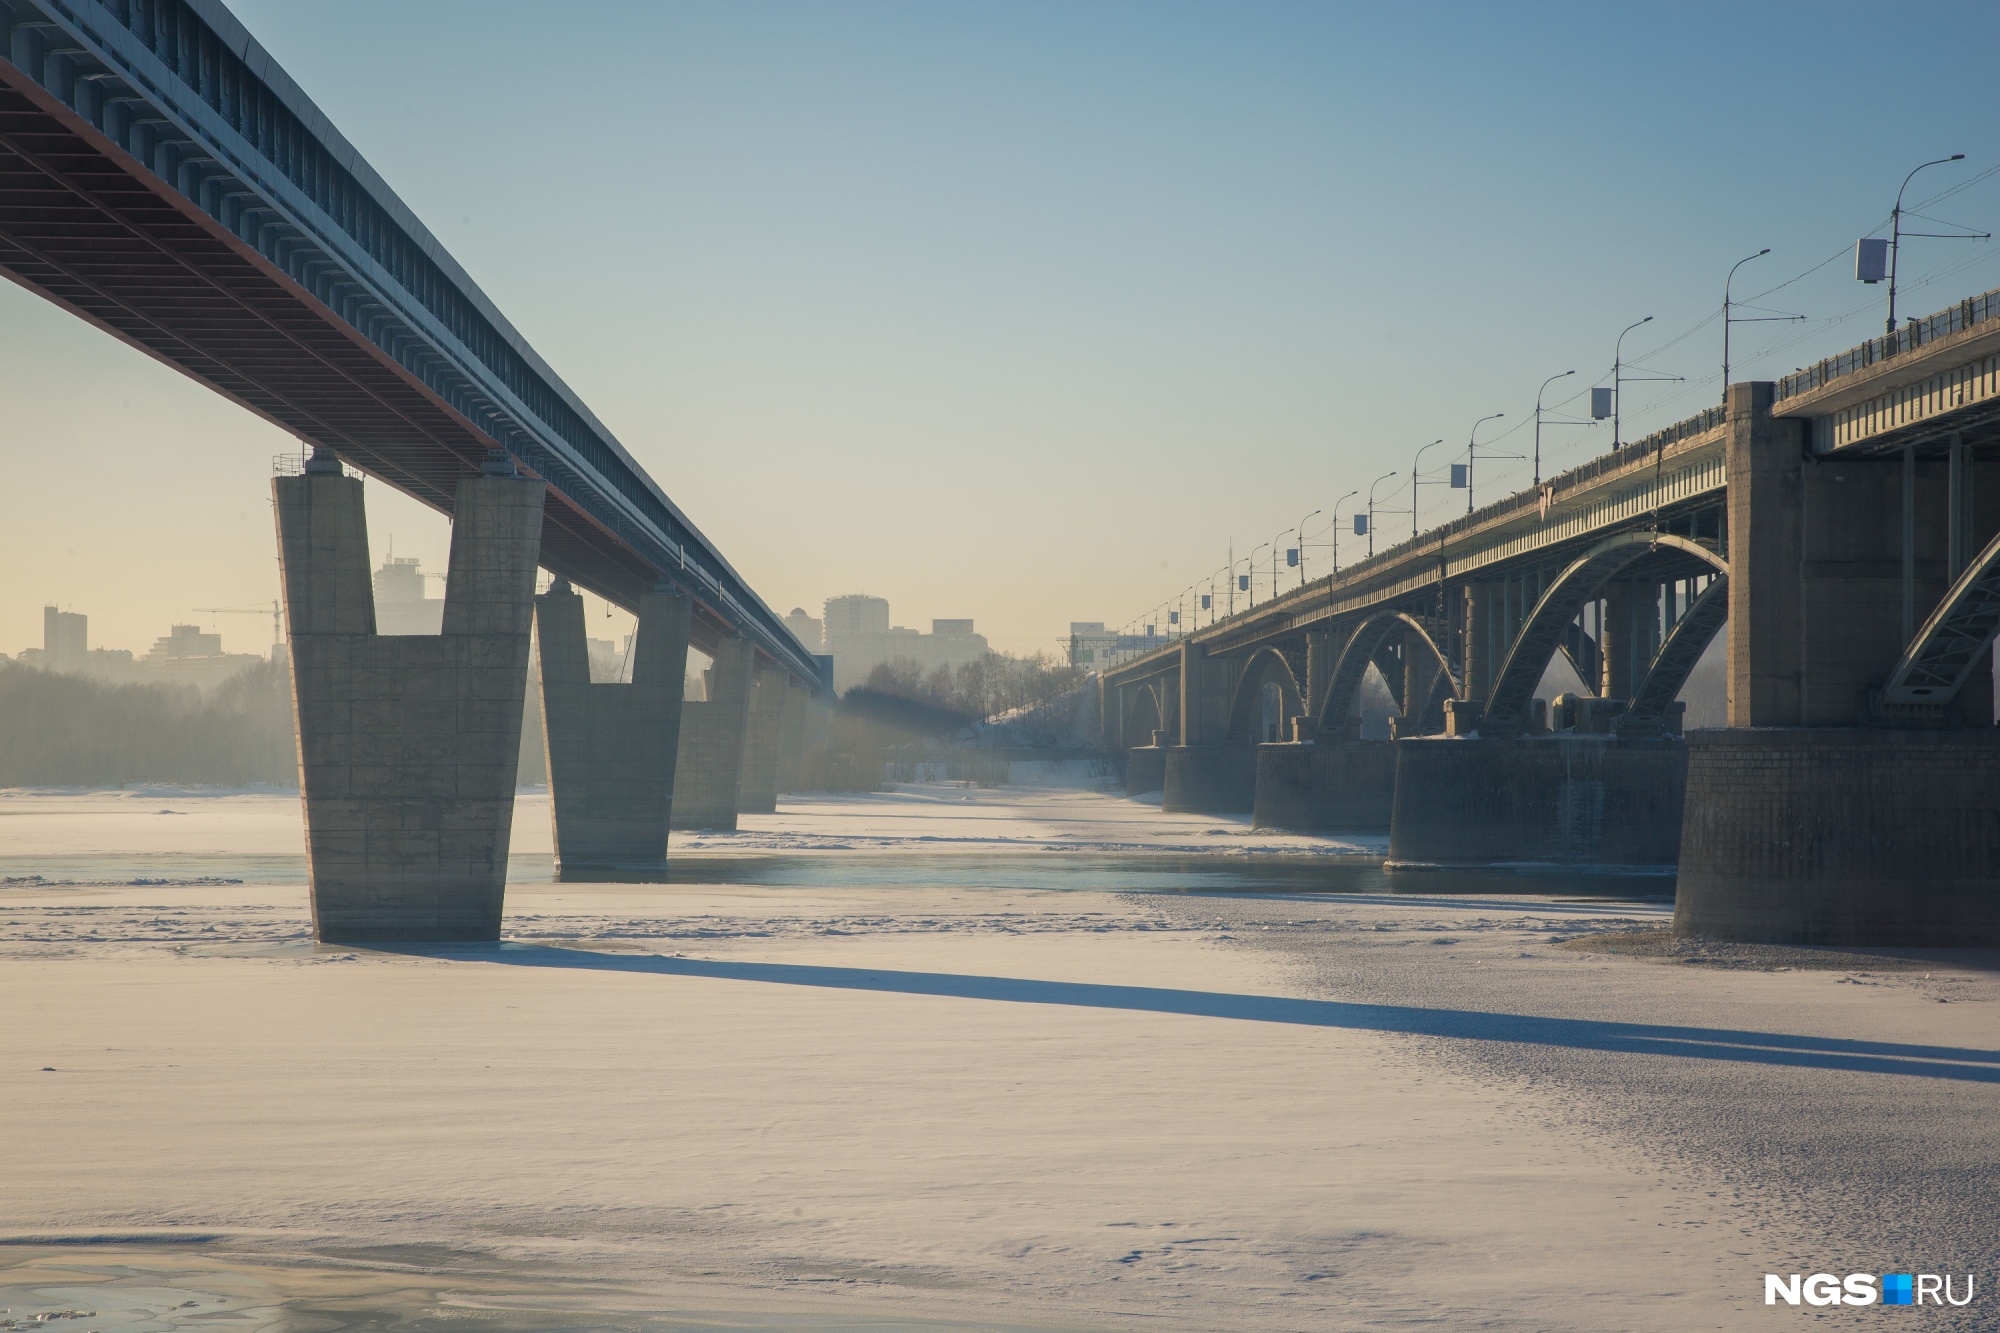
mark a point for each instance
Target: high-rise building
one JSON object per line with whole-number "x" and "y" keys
{"x": 400, "y": 604}
{"x": 854, "y": 615}
{"x": 859, "y": 638}
{"x": 65, "y": 640}
{"x": 807, "y": 628}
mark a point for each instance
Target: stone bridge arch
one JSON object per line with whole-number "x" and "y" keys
{"x": 1420, "y": 634}
{"x": 1140, "y": 716}
{"x": 1267, "y": 666}
{"x": 1953, "y": 639}
{"x": 1506, "y": 711}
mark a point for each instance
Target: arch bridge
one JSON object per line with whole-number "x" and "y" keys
{"x": 1839, "y": 530}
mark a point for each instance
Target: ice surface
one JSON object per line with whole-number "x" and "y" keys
{"x": 939, "y": 1098}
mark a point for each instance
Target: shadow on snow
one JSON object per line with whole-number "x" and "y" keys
{"x": 1768, "y": 1048}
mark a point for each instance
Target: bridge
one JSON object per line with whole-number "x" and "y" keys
{"x": 164, "y": 179}
{"x": 1843, "y": 524}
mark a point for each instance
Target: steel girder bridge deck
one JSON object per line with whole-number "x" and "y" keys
{"x": 163, "y": 178}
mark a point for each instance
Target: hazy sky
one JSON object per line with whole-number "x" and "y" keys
{"x": 1022, "y": 311}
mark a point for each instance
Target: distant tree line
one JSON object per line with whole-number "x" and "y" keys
{"x": 988, "y": 688}
{"x": 71, "y": 731}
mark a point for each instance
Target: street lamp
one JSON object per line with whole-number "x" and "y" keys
{"x": 1336, "y": 527}
{"x": 1728, "y": 319}
{"x": 1896, "y": 233}
{"x": 1274, "y": 560}
{"x": 1471, "y": 453}
{"x": 1250, "y": 572}
{"x": 1302, "y": 544}
{"x": 1618, "y": 379}
{"x": 1414, "y": 473}
{"x": 1538, "y": 421}
{"x": 1371, "y": 512}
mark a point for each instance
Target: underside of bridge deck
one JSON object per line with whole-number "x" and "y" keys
{"x": 82, "y": 229}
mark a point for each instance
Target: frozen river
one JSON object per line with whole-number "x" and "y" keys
{"x": 1034, "y": 1058}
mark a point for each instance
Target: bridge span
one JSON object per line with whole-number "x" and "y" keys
{"x": 1843, "y": 526}
{"x": 164, "y": 179}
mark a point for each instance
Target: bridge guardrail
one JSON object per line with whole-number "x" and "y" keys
{"x": 1916, "y": 333}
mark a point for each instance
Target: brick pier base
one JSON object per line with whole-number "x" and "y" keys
{"x": 1548, "y": 800}
{"x": 1210, "y": 780}
{"x": 1842, "y": 836}
{"x": 1333, "y": 788}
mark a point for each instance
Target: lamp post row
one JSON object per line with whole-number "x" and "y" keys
{"x": 1870, "y": 266}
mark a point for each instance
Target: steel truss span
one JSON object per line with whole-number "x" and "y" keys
{"x": 162, "y": 177}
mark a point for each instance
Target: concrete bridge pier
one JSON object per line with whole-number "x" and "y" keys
{"x": 1567, "y": 799}
{"x": 794, "y": 726}
{"x": 1326, "y": 786}
{"x": 763, "y": 734}
{"x": 1855, "y": 796}
{"x": 708, "y": 767}
{"x": 1842, "y": 835}
{"x": 408, "y": 744}
{"x": 1146, "y": 767}
{"x": 1205, "y": 774}
{"x": 1209, "y": 780}
{"x": 611, "y": 747}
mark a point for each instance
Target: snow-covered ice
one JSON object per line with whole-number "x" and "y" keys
{"x": 975, "y": 1090}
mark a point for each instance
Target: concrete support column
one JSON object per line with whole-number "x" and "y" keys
{"x": 1420, "y": 671}
{"x": 708, "y": 772}
{"x": 1624, "y": 639}
{"x": 1320, "y": 659}
{"x": 408, "y": 744}
{"x": 758, "y": 792}
{"x": 1763, "y": 463}
{"x": 1479, "y": 662}
{"x": 1194, "y": 664}
{"x": 792, "y": 736}
{"x": 611, "y": 747}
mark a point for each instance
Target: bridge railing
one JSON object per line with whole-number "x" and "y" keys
{"x": 1915, "y": 334}
{"x": 1701, "y": 423}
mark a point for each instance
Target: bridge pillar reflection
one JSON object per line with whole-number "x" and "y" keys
{"x": 611, "y": 746}
{"x": 1821, "y": 816}
{"x": 408, "y": 744}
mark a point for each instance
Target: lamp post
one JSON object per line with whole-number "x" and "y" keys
{"x": 1302, "y": 544}
{"x": 1274, "y": 560}
{"x": 1415, "y": 472}
{"x": 1336, "y": 527}
{"x": 1896, "y": 232}
{"x": 1538, "y": 419}
{"x": 1618, "y": 381}
{"x": 1728, "y": 319}
{"x": 1212, "y": 607}
{"x": 1471, "y": 454}
{"x": 1371, "y": 512}
{"x": 1250, "y": 572}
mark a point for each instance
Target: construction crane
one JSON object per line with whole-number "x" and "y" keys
{"x": 276, "y": 613}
